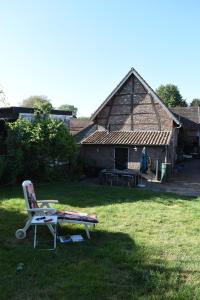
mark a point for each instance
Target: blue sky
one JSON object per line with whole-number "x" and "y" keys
{"x": 76, "y": 52}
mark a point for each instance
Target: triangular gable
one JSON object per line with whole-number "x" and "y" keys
{"x": 146, "y": 86}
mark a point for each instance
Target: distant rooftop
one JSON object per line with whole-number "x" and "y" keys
{"x": 13, "y": 112}
{"x": 188, "y": 116}
{"x": 77, "y": 125}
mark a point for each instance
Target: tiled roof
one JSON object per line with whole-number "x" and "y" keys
{"x": 77, "y": 125}
{"x": 153, "y": 138}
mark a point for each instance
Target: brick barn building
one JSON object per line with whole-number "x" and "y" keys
{"x": 131, "y": 117}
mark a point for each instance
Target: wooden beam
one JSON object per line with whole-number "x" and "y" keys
{"x": 128, "y": 114}
{"x": 129, "y": 94}
{"x": 148, "y": 103}
{"x": 118, "y": 114}
{"x": 144, "y": 113}
{"x": 144, "y": 93}
{"x": 156, "y": 112}
{"x": 132, "y": 99}
{"x": 125, "y": 104}
{"x": 123, "y": 94}
{"x": 107, "y": 123}
{"x": 145, "y": 124}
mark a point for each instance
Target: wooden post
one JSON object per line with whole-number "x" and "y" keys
{"x": 108, "y": 118}
{"x": 156, "y": 113}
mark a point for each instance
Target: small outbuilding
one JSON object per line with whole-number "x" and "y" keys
{"x": 189, "y": 136}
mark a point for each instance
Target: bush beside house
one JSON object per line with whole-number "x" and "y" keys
{"x": 40, "y": 150}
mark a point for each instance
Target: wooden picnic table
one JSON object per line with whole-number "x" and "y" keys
{"x": 127, "y": 176}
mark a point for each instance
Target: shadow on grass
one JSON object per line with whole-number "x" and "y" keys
{"x": 81, "y": 194}
{"x": 91, "y": 195}
{"x": 109, "y": 266}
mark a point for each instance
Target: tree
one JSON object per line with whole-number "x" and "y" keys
{"x": 170, "y": 95}
{"x": 69, "y": 107}
{"x": 40, "y": 149}
{"x": 3, "y": 99}
{"x": 42, "y": 109}
{"x": 33, "y": 101}
{"x": 195, "y": 102}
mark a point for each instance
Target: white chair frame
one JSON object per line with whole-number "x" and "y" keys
{"x": 44, "y": 207}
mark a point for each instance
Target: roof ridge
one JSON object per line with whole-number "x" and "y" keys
{"x": 133, "y": 131}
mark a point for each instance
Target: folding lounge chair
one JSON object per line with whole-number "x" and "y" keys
{"x": 42, "y": 207}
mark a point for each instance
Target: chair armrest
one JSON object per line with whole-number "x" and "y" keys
{"x": 47, "y": 201}
{"x": 41, "y": 209}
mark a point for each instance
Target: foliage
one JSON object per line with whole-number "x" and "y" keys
{"x": 170, "y": 95}
{"x": 35, "y": 100}
{"x": 42, "y": 109}
{"x": 145, "y": 246}
{"x": 41, "y": 149}
{"x": 195, "y": 102}
{"x": 2, "y": 164}
{"x": 69, "y": 107}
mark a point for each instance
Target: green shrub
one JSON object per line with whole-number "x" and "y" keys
{"x": 2, "y": 164}
{"x": 41, "y": 149}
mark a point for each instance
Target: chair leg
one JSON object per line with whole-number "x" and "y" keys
{"x": 27, "y": 225}
{"x": 87, "y": 231}
{"x": 53, "y": 231}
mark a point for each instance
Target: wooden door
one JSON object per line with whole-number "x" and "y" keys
{"x": 121, "y": 158}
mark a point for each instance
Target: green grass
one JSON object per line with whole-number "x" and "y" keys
{"x": 146, "y": 246}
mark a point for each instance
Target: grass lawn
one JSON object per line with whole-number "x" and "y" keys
{"x": 147, "y": 246}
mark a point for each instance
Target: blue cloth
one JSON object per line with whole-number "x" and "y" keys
{"x": 144, "y": 159}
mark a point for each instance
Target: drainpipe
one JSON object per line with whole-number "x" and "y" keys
{"x": 114, "y": 158}
{"x": 173, "y": 148}
{"x": 166, "y": 153}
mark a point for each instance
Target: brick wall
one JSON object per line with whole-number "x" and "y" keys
{"x": 98, "y": 156}
{"x": 102, "y": 156}
{"x": 132, "y": 108}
